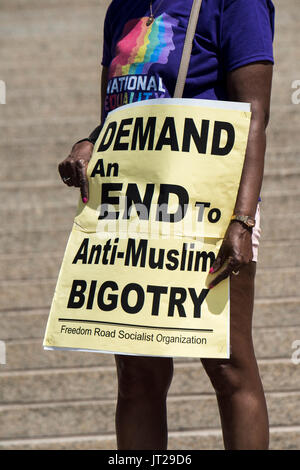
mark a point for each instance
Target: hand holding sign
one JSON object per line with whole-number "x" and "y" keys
{"x": 235, "y": 252}
{"x": 73, "y": 169}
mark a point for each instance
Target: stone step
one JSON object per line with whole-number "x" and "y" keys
{"x": 46, "y": 265}
{"x": 281, "y": 438}
{"x": 50, "y": 130}
{"x": 28, "y": 294}
{"x": 78, "y": 83}
{"x": 62, "y": 104}
{"x": 43, "y": 266}
{"x": 18, "y": 173}
{"x": 42, "y": 124}
{"x": 279, "y": 254}
{"x": 22, "y": 325}
{"x": 18, "y": 176}
{"x": 46, "y": 240}
{"x": 88, "y": 8}
{"x": 289, "y": 14}
{"x": 97, "y": 416}
{"x": 37, "y": 266}
{"x": 39, "y": 193}
{"x": 20, "y": 5}
{"x": 54, "y": 385}
{"x": 17, "y": 180}
{"x": 78, "y": 94}
{"x": 281, "y": 169}
{"x": 68, "y": 48}
{"x": 71, "y": 79}
{"x": 63, "y": 98}
{"x": 47, "y": 230}
{"x": 66, "y": 73}
{"x": 86, "y": 44}
{"x": 37, "y": 76}
{"x": 36, "y": 153}
{"x": 280, "y": 226}
{"x": 277, "y": 312}
{"x": 61, "y": 76}
{"x": 35, "y": 194}
{"x": 283, "y": 92}
{"x": 39, "y": 155}
{"x": 55, "y": 99}
{"x": 283, "y": 68}
{"x": 52, "y": 23}
{"x": 60, "y": 129}
{"x": 281, "y": 179}
{"x": 64, "y": 21}
{"x": 22, "y": 354}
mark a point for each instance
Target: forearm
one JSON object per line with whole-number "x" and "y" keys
{"x": 104, "y": 79}
{"x": 253, "y": 170}
{"x": 252, "y": 84}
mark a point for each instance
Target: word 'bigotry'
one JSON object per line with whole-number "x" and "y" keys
{"x": 132, "y": 297}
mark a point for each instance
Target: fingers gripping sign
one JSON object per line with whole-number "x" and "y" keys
{"x": 231, "y": 267}
{"x": 65, "y": 172}
{"x": 73, "y": 170}
{"x": 81, "y": 171}
{"x": 235, "y": 252}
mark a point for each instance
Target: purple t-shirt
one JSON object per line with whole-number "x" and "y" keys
{"x": 143, "y": 59}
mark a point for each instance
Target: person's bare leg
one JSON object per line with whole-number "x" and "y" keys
{"x": 236, "y": 380}
{"x": 141, "y": 414}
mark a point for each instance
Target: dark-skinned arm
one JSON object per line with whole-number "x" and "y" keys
{"x": 73, "y": 169}
{"x": 104, "y": 80}
{"x": 251, "y": 84}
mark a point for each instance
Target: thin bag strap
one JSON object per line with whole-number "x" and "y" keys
{"x": 187, "y": 48}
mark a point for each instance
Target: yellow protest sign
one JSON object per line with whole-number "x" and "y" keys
{"x": 163, "y": 181}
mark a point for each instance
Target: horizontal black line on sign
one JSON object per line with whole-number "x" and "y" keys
{"x": 132, "y": 326}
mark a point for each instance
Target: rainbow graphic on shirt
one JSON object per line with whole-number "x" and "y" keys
{"x": 141, "y": 46}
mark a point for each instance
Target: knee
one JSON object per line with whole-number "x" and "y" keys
{"x": 139, "y": 379}
{"x": 226, "y": 378}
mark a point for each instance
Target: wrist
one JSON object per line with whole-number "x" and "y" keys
{"x": 247, "y": 220}
{"x": 95, "y": 134}
{"x": 83, "y": 146}
{"x": 87, "y": 139}
{"x": 241, "y": 225}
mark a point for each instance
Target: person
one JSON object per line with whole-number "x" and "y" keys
{"x": 232, "y": 59}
